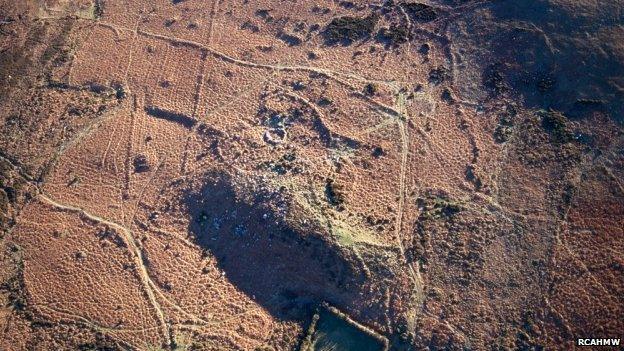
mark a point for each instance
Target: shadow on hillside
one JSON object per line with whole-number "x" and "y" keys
{"x": 285, "y": 270}
{"x": 558, "y": 57}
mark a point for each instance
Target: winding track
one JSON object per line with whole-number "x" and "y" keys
{"x": 138, "y": 257}
{"x": 397, "y": 112}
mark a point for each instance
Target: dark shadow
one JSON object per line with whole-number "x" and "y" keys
{"x": 555, "y": 57}
{"x": 420, "y": 12}
{"x": 288, "y": 271}
{"x": 171, "y": 116}
{"x": 393, "y": 36}
{"x": 289, "y": 39}
{"x": 347, "y": 29}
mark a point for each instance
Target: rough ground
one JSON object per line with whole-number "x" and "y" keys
{"x": 201, "y": 175}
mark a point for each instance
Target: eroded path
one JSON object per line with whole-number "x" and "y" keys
{"x": 136, "y": 252}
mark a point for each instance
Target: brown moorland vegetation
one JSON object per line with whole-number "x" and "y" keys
{"x": 203, "y": 175}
